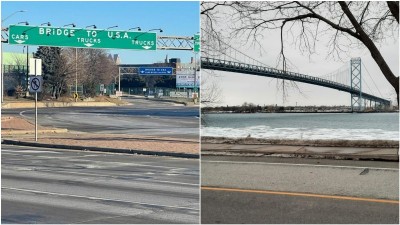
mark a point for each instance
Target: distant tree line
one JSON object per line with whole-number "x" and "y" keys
{"x": 252, "y": 108}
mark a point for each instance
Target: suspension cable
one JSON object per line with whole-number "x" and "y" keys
{"x": 372, "y": 79}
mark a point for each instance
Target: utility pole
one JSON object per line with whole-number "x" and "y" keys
{"x": 76, "y": 74}
{"x": 27, "y": 70}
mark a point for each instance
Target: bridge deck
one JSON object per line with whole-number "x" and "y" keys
{"x": 229, "y": 66}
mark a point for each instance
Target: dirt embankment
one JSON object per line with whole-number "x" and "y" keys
{"x": 294, "y": 142}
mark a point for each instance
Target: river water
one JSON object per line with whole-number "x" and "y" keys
{"x": 307, "y": 126}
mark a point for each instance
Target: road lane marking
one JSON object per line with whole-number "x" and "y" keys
{"x": 300, "y": 164}
{"x": 17, "y": 149}
{"x": 300, "y": 194}
{"x": 154, "y": 179}
{"x": 96, "y": 198}
{"x": 22, "y": 113}
{"x": 30, "y": 151}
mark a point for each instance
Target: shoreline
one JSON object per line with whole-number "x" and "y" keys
{"x": 340, "y": 112}
{"x": 302, "y": 142}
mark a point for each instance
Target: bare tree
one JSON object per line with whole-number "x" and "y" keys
{"x": 349, "y": 24}
{"x": 92, "y": 66}
{"x": 211, "y": 90}
{"x": 55, "y": 70}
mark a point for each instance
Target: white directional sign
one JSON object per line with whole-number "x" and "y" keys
{"x": 35, "y": 66}
{"x": 186, "y": 79}
{"x": 36, "y": 83}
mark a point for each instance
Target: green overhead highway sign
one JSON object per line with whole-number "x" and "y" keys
{"x": 196, "y": 39}
{"x": 81, "y": 38}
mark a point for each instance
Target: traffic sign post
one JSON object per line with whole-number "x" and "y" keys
{"x": 163, "y": 71}
{"x": 82, "y": 38}
{"x": 36, "y": 83}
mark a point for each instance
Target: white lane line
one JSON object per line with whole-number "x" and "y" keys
{"x": 22, "y": 113}
{"x": 30, "y": 151}
{"x": 104, "y": 175}
{"x": 169, "y": 182}
{"x": 95, "y": 198}
{"x": 17, "y": 149}
{"x": 305, "y": 165}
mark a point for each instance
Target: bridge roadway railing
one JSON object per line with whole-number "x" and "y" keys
{"x": 230, "y": 66}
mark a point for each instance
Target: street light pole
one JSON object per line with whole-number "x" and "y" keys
{"x": 12, "y": 14}
{"x": 27, "y": 70}
{"x": 76, "y": 66}
{"x": 2, "y": 69}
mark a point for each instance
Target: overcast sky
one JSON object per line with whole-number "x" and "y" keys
{"x": 239, "y": 88}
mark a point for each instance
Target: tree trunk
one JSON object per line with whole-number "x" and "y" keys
{"x": 394, "y": 9}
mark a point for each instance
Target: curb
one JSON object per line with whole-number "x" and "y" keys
{"x": 22, "y": 105}
{"x": 172, "y": 101}
{"x": 86, "y": 148}
{"x": 16, "y": 132}
{"x": 394, "y": 158}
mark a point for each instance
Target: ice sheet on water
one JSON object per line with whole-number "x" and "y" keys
{"x": 267, "y": 132}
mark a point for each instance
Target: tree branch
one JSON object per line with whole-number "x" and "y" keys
{"x": 394, "y": 9}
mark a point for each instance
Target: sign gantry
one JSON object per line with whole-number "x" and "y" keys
{"x": 81, "y": 38}
{"x": 96, "y": 38}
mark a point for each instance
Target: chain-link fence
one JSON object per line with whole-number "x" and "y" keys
{"x": 160, "y": 92}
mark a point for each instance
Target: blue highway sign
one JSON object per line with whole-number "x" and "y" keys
{"x": 163, "y": 71}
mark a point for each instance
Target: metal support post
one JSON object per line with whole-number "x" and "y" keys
{"x": 119, "y": 79}
{"x": 2, "y": 75}
{"x": 195, "y": 70}
{"x": 27, "y": 70}
{"x": 76, "y": 74}
{"x": 36, "y": 118}
{"x": 355, "y": 80}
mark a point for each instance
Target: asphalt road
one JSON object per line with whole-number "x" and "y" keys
{"x": 144, "y": 117}
{"x": 277, "y": 190}
{"x": 65, "y": 186}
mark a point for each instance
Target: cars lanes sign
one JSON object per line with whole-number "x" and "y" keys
{"x": 81, "y": 38}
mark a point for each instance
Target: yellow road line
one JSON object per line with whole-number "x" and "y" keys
{"x": 300, "y": 194}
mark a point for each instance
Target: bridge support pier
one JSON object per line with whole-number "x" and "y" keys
{"x": 355, "y": 80}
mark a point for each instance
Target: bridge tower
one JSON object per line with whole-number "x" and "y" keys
{"x": 355, "y": 80}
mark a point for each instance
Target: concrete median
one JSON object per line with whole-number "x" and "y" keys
{"x": 100, "y": 149}
{"x": 18, "y": 105}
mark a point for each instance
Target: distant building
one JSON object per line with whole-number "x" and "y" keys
{"x": 160, "y": 81}
{"x": 115, "y": 59}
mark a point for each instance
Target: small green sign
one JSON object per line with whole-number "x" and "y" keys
{"x": 196, "y": 46}
{"x": 81, "y": 38}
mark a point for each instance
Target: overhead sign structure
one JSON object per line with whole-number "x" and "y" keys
{"x": 187, "y": 80}
{"x": 196, "y": 40}
{"x": 81, "y": 38}
{"x": 163, "y": 71}
{"x": 36, "y": 83}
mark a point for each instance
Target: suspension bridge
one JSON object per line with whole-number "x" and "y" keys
{"x": 223, "y": 57}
